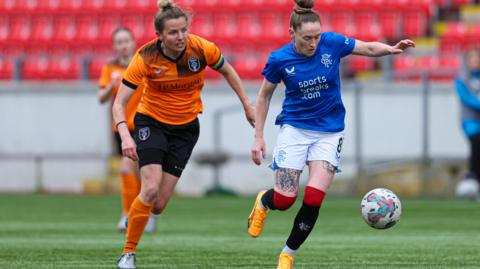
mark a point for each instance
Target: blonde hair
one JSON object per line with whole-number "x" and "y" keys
{"x": 164, "y": 4}
{"x": 168, "y": 11}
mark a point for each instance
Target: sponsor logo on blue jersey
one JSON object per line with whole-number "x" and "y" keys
{"x": 312, "y": 84}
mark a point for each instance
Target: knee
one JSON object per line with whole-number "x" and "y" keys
{"x": 149, "y": 194}
{"x": 127, "y": 166}
{"x": 159, "y": 206}
{"x": 282, "y": 202}
{"x": 150, "y": 187}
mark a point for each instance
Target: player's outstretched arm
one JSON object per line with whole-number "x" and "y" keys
{"x": 118, "y": 109}
{"x": 378, "y": 49}
{"x": 263, "y": 103}
{"x": 235, "y": 82}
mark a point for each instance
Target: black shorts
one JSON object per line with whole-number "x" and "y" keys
{"x": 168, "y": 145}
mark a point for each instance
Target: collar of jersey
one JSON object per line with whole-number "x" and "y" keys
{"x": 175, "y": 60}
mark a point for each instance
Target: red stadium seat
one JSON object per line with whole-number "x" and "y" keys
{"x": 472, "y": 38}
{"x": 42, "y": 29}
{"x": 95, "y": 65}
{"x": 414, "y": 24}
{"x": 279, "y": 5}
{"x": 116, "y": 6}
{"x": 461, "y": 2}
{"x": 406, "y": 67}
{"x": 20, "y": 29}
{"x": 95, "y": 6}
{"x": 225, "y": 27}
{"x": 106, "y": 26}
{"x": 136, "y": 24}
{"x": 390, "y": 23}
{"x": 248, "y": 25}
{"x": 35, "y": 67}
{"x": 6, "y": 68}
{"x": 367, "y": 27}
{"x": 201, "y": 6}
{"x": 360, "y": 64}
{"x": 455, "y": 29}
{"x": 202, "y": 25}
{"x": 64, "y": 67}
{"x": 4, "y": 29}
{"x": 49, "y": 7}
{"x": 71, "y": 6}
{"x": 87, "y": 29}
{"x": 274, "y": 27}
{"x": 341, "y": 23}
{"x": 454, "y": 37}
{"x": 247, "y": 63}
{"x": 65, "y": 29}
{"x": 7, "y": 6}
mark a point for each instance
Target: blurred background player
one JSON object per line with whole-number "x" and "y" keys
{"x": 171, "y": 68}
{"x": 311, "y": 122}
{"x": 110, "y": 78}
{"x": 467, "y": 85}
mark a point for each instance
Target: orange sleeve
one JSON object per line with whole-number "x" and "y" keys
{"x": 136, "y": 71}
{"x": 212, "y": 54}
{"x": 104, "y": 77}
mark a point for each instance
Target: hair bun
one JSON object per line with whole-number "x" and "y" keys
{"x": 303, "y": 6}
{"x": 164, "y": 4}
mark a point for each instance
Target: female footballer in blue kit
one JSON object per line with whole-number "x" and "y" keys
{"x": 311, "y": 121}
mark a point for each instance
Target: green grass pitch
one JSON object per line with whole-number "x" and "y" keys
{"x": 40, "y": 231}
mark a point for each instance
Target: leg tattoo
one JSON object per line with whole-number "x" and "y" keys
{"x": 329, "y": 167}
{"x": 286, "y": 179}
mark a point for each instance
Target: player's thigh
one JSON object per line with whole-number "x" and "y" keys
{"x": 328, "y": 147}
{"x": 128, "y": 166}
{"x": 151, "y": 177}
{"x": 324, "y": 160}
{"x": 181, "y": 142}
{"x": 291, "y": 149}
{"x": 151, "y": 140}
{"x": 287, "y": 181}
{"x": 167, "y": 187}
{"x": 289, "y": 158}
{"x": 321, "y": 174}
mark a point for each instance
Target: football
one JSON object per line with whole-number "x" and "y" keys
{"x": 467, "y": 188}
{"x": 381, "y": 208}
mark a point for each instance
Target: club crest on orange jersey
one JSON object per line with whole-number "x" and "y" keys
{"x": 194, "y": 64}
{"x": 144, "y": 133}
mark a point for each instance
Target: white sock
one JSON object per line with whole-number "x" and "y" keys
{"x": 288, "y": 250}
{"x": 261, "y": 204}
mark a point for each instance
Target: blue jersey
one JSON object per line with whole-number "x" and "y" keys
{"x": 312, "y": 94}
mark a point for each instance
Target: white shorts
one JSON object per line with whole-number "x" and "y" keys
{"x": 295, "y": 147}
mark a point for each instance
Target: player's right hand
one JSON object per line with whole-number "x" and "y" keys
{"x": 129, "y": 148}
{"x": 258, "y": 150}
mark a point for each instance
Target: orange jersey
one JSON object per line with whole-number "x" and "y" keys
{"x": 172, "y": 86}
{"x": 111, "y": 70}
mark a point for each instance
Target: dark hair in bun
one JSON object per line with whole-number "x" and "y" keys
{"x": 303, "y": 13}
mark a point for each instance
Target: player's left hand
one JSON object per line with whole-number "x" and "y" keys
{"x": 250, "y": 114}
{"x": 402, "y": 45}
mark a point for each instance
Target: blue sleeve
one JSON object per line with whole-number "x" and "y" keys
{"x": 271, "y": 71}
{"x": 342, "y": 43}
{"x": 466, "y": 96}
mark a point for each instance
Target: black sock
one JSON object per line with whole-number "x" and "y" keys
{"x": 267, "y": 199}
{"x": 302, "y": 226}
